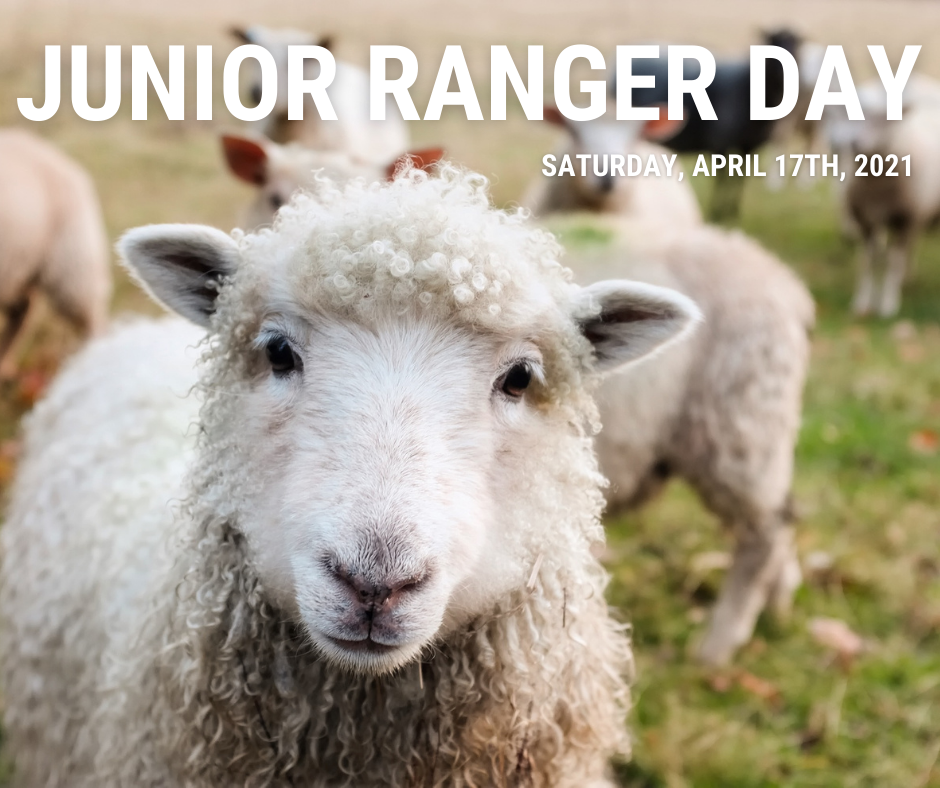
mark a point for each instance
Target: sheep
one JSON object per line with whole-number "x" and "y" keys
{"x": 364, "y": 556}
{"x": 882, "y": 209}
{"x": 721, "y": 411}
{"x": 280, "y": 170}
{"x": 353, "y": 132}
{"x": 52, "y": 239}
{"x": 642, "y": 200}
{"x": 729, "y": 93}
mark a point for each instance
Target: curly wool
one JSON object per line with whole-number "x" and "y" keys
{"x": 214, "y": 685}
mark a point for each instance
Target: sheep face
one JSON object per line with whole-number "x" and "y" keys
{"x": 276, "y": 42}
{"x": 278, "y": 171}
{"x": 378, "y": 447}
{"x": 386, "y": 450}
{"x": 599, "y": 140}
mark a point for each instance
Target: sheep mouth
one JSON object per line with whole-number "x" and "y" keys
{"x": 365, "y": 646}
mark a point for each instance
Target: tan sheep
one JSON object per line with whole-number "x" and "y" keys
{"x": 52, "y": 239}
{"x": 721, "y": 411}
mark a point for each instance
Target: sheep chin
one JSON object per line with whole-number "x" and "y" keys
{"x": 376, "y": 660}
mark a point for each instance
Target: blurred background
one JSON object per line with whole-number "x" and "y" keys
{"x": 797, "y": 708}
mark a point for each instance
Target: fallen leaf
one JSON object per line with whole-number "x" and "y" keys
{"x": 836, "y": 635}
{"x": 7, "y": 470}
{"x": 10, "y": 449}
{"x": 31, "y": 386}
{"x": 925, "y": 442}
{"x": 720, "y": 682}
{"x": 762, "y": 688}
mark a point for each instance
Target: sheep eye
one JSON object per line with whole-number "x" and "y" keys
{"x": 517, "y": 380}
{"x": 281, "y": 355}
{"x": 276, "y": 201}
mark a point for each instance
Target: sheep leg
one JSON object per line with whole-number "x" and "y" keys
{"x": 899, "y": 252}
{"x": 11, "y": 337}
{"x": 759, "y": 558}
{"x": 789, "y": 579}
{"x": 864, "y": 298}
{"x": 726, "y": 196}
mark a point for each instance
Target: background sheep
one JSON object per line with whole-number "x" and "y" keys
{"x": 280, "y": 170}
{"x": 369, "y": 141}
{"x": 52, "y": 239}
{"x": 642, "y": 200}
{"x": 721, "y": 411}
{"x": 888, "y": 212}
{"x": 381, "y": 573}
{"x": 729, "y": 93}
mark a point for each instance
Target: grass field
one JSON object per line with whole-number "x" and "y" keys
{"x": 868, "y": 467}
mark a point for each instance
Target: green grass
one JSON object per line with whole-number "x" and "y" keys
{"x": 865, "y": 497}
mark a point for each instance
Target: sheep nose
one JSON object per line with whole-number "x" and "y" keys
{"x": 255, "y": 93}
{"x": 606, "y": 184}
{"x": 371, "y": 594}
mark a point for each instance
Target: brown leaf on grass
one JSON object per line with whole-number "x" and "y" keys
{"x": 31, "y": 385}
{"x": 7, "y": 470}
{"x": 925, "y": 442}
{"x": 721, "y": 682}
{"x": 755, "y": 685}
{"x": 836, "y": 635}
{"x": 10, "y": 449}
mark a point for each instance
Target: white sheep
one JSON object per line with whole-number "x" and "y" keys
{"x": 52, "y": 239}
{"x": 280, "y": 170}
{"x": 721, "y": 411}
{"x": 365, "y": 559}
{"x": 642, "y": 200}
{"x": 888, "y": 210}
{"x": 353, "y": 132}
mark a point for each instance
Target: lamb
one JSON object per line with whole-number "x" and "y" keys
{"x": 374, "y": 142}
{"x": 52, "y": 239}
{"x": 280, "y": 170}
{"x": 364, "y": 557}
{"x": 721, "y": 411}
{"x": 888, "y": 206}
{"x": 641, "y": 200}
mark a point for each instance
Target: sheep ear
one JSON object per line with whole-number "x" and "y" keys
{"x": 662, "y": 129}
{"x": 628, "y": 320}
{"x": 181, "y": 266}
{"x": 551, "y": 114}
{"x": 423, "y": 159}
{"x": 247, "y": 159}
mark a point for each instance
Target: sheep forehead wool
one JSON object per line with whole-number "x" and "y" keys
{"x": 432, "y": 246}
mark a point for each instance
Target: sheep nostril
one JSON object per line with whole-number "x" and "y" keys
{"x": 369, "y": 593}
